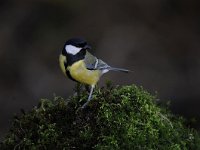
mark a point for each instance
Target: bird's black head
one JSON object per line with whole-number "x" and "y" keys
{"x": 74, "y": 46}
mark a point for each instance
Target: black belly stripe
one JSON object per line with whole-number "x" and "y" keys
{"x": 72, "y": 59}
{"x": 68, "y": 73}
{"x": 69, "y": 76}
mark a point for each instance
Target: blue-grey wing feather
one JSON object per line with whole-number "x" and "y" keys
{"x": 93, "y": 63}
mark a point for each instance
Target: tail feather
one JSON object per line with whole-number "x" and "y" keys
{"x": 119, "y": 69}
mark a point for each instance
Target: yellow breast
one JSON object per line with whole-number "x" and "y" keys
{"x": 62, "y": 60}
{"x": 80, "y": 73}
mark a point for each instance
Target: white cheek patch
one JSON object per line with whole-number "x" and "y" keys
{"x": 70, "y": 49}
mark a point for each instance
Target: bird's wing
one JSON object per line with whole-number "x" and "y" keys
{"x": 92, "y": 63}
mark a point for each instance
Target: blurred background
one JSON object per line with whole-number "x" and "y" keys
{"x": 159, "y": 40}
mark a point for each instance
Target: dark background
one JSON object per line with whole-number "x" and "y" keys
{"x": 159, "y": 40}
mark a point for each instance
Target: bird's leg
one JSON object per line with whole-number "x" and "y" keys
{"x": 91, "y": 91}
{"x": 89, "y": 97}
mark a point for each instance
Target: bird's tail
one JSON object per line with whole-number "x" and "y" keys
{"x": 119, "y": 69}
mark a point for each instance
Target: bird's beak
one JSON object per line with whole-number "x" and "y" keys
{"x": 87, "y": 47}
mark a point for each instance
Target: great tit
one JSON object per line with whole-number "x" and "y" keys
{"x": 81, "y": 66}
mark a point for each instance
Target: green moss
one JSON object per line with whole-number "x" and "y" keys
{"x": 117, "y": 118}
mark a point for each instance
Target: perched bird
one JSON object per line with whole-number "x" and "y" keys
{"x": 81, "y": 66}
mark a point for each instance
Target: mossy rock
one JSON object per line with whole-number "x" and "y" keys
{"x": 124, "y": 117}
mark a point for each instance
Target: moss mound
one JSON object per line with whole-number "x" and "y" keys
{"x": 117, "y": 118}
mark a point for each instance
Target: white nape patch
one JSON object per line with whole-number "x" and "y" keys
{"x": 70, "y": 49}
